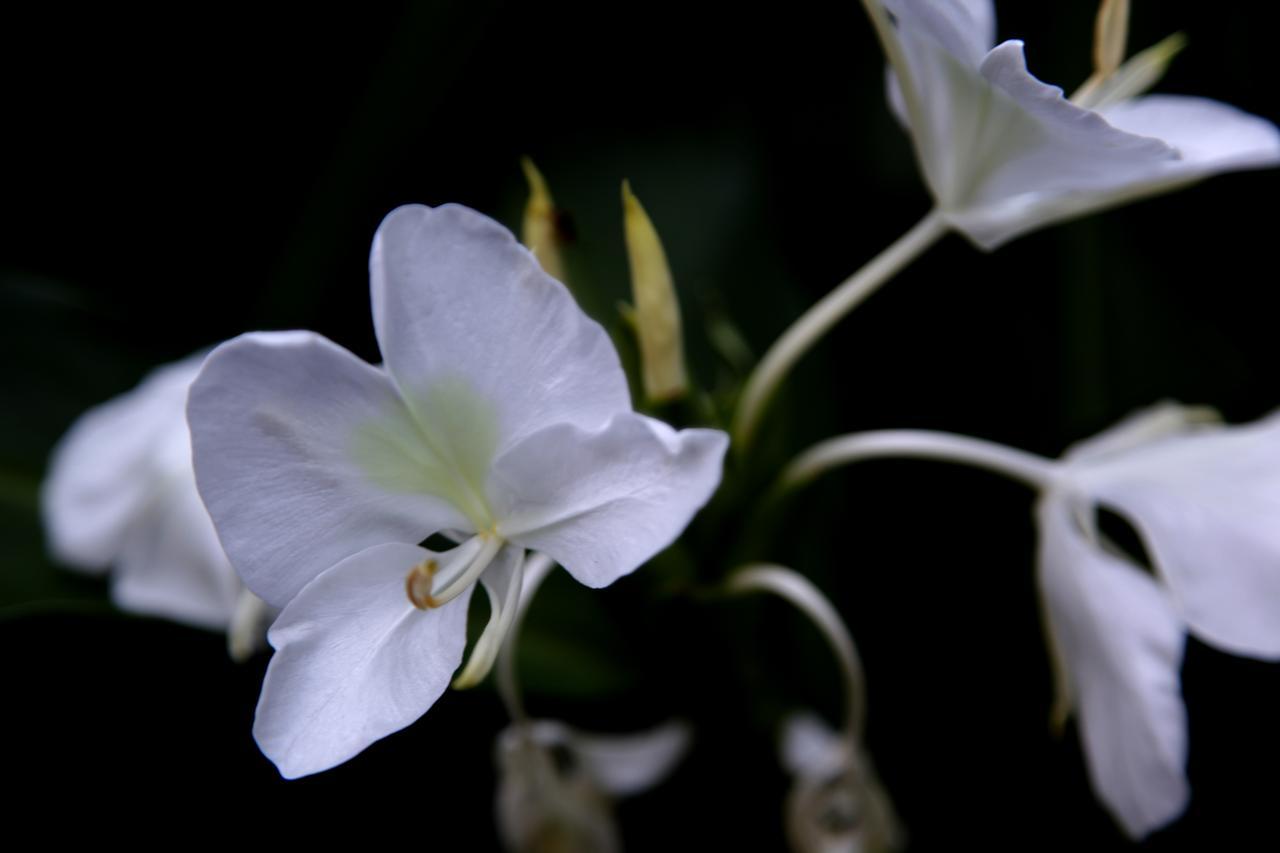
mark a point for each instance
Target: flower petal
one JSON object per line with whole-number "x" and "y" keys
{"x": 106, "y": 469}
{"x": 1206, "y": 504}
{"x": 601, "y": 503}
{"x": 304, "y": 455}
{"x": 1209, "y": 136}
{"x": 810, "y": 748}
{"x": 355, "y": 661}
{"x": 1120, "y": 643}
{"x": 625, "y": 765}
{"x": 1029, "y": 157}
{"x": 462, "y": 310}
{"x": 171, "y": 563}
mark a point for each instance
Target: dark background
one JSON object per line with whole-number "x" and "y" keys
{"x": 172, "y": 179}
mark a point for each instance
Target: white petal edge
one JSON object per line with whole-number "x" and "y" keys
{"x": 458, "y": 301}
{"x": 602, "y": 503}
{"x": 1209, "y": 136}
{"x": 355, "y": 661}
{"x": 625, "y": 765}
{"x": 105, "y": 470}
{"x": 1117, "y": 636}
{"x": 275, "y": 423}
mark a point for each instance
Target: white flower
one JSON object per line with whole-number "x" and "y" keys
{"x": 501, "y": 416}
{"x": 121, "y": 495}
{"x": 1004, "y": 153}
{"x": 1205, "y": 499}
{"x": 556, "y": 784}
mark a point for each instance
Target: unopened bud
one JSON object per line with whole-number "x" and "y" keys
{"x": 541, "y": 228}
{"x": 657, "y": 311}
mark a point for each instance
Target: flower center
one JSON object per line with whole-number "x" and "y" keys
{"x": 457, "y": 570}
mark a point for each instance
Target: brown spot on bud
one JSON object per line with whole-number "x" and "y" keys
{"x": 417, "y": 584}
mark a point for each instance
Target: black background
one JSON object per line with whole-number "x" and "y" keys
{"x": 172, "y": 179}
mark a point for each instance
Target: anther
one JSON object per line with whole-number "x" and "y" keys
{"x": 418, "y": 584}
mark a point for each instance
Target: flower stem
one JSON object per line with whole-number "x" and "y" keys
{"x": 818, "y": 320}
{"x": 536, "y": 569}
{"x": 1036, "y": 471}
{"x": 800, "y": 591}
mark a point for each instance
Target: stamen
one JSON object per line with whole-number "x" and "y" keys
{"x": 418, "y": 583}
{"x": 491, "y": 544}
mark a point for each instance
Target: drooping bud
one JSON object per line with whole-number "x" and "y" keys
{"x": 540, "y": 232}
{"x": 657, "y": 311}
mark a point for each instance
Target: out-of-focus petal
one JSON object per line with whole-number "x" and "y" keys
{"x": 105, "y": 471}
{"x": 1120, "y": 641}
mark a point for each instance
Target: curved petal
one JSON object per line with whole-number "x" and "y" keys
{"x": 355, "y": 661}
{"x": 601, "y": 503}
{"x": 1030, "y": 157}
{"x": 304, "y": 455}
{"x": 1120, "y": 643}
{"x": 171, "y": 563}
{"x": 1207, "y": 505}
{"x": 464, "y": 312}
{"x": 625, "y": 765}
{"x": 107, "y": 468}
{"x": 810, "y": 748}
{"x": 1209, "y": 136}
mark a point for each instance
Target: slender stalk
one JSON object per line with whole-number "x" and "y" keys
{"x": 1036, "y": 471}
{"x": 818, "y": 320}
{"x": 536, "y": 569}
{"x": 800, "y": 591}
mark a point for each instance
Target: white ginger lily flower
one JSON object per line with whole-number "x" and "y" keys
{"x": 501, "y": 417}
{"x": 1204, "y": 498}
{"x": 121, "y": 495}
{"x": 1004, "y": 153}
{"x": 557, "y": 785}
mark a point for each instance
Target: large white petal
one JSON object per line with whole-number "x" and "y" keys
{"x": 467, "y": 320}
{"x": 355, "y": 661}
{"x": 107, "y": 468}
{"x": 305, "y": 455}
{"x": 1209, "y": 136}
{"x": 1117, "y": 636}
{"x": 1207, "y": 505}
{"x": 171, "y": 563}
{"x": 601, "y": 503}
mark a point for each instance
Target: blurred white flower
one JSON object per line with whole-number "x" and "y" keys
{"x": 501, "y": 417}
{"x": 556, "y": 785}
{"x": 1004, "y": 153}
{"x": 1204, "y": 499}
{"x": 121, "y": 496}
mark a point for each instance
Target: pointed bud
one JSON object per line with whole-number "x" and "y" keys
{"x": 657, "y": 312}
{"x": 541, "y": 232}
{"x": 1140, "y": 73}
{"x": 1110, "y": 34}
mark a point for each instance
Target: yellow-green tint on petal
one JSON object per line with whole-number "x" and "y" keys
{"x": 1110, "y": 35}
{"x": 657, "y": 311}
{"x": 444, "y": 448}
{"x": 1140, "y": 73}
{"x": 540, "y": 231}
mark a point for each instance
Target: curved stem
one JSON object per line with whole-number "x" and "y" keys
{"x": 1036, "y": 471}
{"x": 800, "y": 591}
{"x": 818, "y": 320}
{"x": 536, "y": 569}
